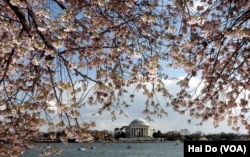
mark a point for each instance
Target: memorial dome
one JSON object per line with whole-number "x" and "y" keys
{"x": 139, "y": 121}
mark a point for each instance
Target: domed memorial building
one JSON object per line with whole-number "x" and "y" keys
{"x": 138, "y": 128}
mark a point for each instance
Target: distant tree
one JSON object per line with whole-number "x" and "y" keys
{"x": 213, "y": 137}
{"x": 227, "y": 136}
{"x": 119, "y": 133}
{"x": 57, "y": 56}
{"x": 222, "y": 136}
{"x": 157, "y": 134}
{"x": 173, "y": 136}
{"x": 194, "y": 136}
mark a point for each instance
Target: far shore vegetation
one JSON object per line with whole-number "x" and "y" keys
{"x": 106, "y": 136}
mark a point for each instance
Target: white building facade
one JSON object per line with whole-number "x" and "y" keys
{"x": 139, "y": 128}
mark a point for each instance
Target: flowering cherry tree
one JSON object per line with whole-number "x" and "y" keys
{"x": 86, "y": 52}
{"x": 57, "y": 56}
{"x": 213, "y": 45}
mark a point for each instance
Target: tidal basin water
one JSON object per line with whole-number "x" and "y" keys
{"x": 169, "y": 149}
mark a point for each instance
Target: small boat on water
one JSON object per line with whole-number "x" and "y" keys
{"x": 129, "y": 147}
{"x": 81, "y": 149}
{"x": 85, "y": 148}
{"x": 90, "y": 145}
{"x": 48, "y": 146}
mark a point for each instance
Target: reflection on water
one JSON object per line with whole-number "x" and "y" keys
{"x": 111, "y": 150}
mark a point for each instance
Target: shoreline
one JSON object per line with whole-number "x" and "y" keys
{"x": 117, "y": 141}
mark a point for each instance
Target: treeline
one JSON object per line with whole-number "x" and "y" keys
{"x": 174, "y": 136}
{"x": 99, "y": 136}
{"x": 107, "y": 136}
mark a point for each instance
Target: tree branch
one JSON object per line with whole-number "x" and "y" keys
{"x": 20, "y": 16}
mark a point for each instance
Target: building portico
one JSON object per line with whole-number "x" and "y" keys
{"x": 139, "y": 132}
{"x": 139, "y": 128}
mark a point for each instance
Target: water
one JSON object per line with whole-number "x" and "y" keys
{"x": 113, "y": 150}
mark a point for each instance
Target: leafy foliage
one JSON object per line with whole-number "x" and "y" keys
{"x": 77, "y": 52}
